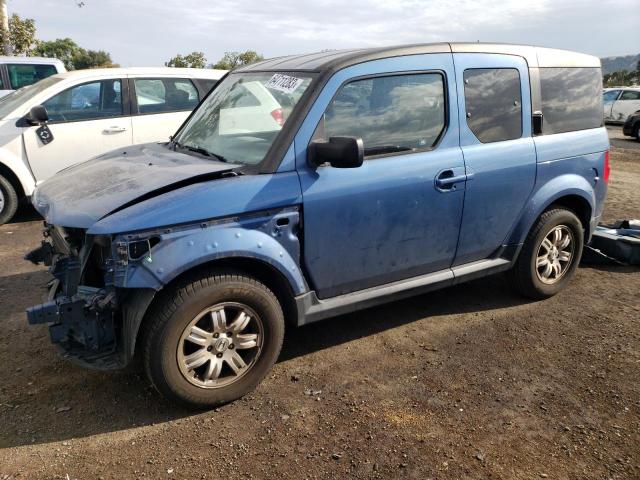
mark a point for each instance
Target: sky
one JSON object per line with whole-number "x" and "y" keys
{"x": 150, "y": 32}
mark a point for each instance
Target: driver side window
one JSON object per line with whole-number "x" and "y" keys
{"x": 88, "y": 101}
{"x": 398, "y": 113}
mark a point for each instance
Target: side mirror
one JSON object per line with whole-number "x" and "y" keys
{"x": 37, "y": 115}
{"x": 339, "y": 152}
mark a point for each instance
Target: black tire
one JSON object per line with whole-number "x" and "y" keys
{"x": 524, "y": 275}
{"x": 10, "y": 200}
{"x": 637, "y": 132}
{"x": 166, "y": 323}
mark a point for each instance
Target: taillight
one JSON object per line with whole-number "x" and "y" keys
{"x": 278, "y": 116}
{"x": 607, "y": 168}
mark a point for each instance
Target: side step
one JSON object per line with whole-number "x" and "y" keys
{"x": 311, "y": 308}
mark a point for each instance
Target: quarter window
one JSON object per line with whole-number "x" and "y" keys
{"x": 23, "y": 75}
{"x": 571, "y": 99}
{"x": 89, "y": 101}
{"x": 160, "y": 95}
{"x": 493, "y": 102}
{"x": 390, "y": 114}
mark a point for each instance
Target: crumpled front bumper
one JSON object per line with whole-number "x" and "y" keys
{"x": 84, "y": 318}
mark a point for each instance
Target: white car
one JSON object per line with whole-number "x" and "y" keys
{"x": 87, "y": 113}
{"x": 619, "y": 103}
{"x": 18, "y": 72}
{"x": 252, "y": 109}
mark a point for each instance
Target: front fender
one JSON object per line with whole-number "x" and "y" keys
{"x": 553, "y": 190}
{"x": 269, "y": 237}
{"x": 18, "y": 166}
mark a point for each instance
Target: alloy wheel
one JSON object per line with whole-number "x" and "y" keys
{"x": 220, "y": 345}
{"x": 555, "y": 254}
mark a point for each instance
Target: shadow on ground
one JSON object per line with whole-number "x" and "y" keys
{"x": 104, "y": 402}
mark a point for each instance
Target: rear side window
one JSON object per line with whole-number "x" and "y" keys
{"x": 494, "y": 103}
{"x": 207, "y": 84}
{"x": 161, "y": 95}
{"x": 23, "y": 75}
{"x": 571, "y": 99}
{"x": 390, "y": 114}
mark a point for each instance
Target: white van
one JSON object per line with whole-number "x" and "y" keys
{"x": 18, "y": 72}
{"x": 86, "y": 113}
{"x": 619, "y": 103}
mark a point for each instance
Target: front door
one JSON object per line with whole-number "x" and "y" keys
{"x": 398, "y": 215}
{"x": 494, "y": 110}
{"x": 85, "y": 121}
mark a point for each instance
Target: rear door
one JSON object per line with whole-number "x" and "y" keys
{"x": 85, "y": 120}
{"x": 391, "y": 218}
{"x": 627, "y": 103}
{"x": 494, "y": 108}
{"x": 160, "y": 105}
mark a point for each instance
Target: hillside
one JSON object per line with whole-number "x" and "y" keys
{"x": 615, "y": 64}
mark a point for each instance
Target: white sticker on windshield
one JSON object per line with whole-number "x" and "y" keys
{"x": 284, "y": 83}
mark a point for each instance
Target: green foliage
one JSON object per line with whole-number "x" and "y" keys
{"x": 192, "y": 60}
{"x": 92, "y": 59}
{"x": 22, "y": 35}
{"x": 232, "y": 60}
{"x": 623, "y": 78}
{"x": 72, "y": 55}
{"x": 64, "y": 49}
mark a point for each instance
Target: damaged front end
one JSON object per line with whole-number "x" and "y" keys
{"x": 82, "y": 308}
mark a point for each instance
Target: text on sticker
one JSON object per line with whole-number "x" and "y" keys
{"x": 284, "y": 83}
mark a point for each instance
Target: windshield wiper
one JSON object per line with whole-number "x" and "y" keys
{"x": 201, "y": 151}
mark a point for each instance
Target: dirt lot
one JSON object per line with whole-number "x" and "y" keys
{"x": 468, "y": 382}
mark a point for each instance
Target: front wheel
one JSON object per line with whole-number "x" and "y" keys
{"x": 8, "y": 200}
{"x": 550, "y": 254}
{"x": 212, "y": 339}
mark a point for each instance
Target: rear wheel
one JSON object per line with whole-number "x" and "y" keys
{"x": 8, "y": 200}
{"x": 213, "y": 339}
{"x": 637, "y": 133}
{"x": 550, "y": 254}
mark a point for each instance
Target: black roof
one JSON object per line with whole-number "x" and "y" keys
{"x": 337, "y": 59}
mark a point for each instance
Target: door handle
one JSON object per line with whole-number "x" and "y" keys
{"x": 446, "y": 180}
{"x": 114, "y": 130}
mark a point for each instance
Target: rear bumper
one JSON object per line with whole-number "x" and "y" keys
{"x": 592, "y": 228}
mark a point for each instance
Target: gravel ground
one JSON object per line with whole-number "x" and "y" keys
{"x": 468, "y": 382}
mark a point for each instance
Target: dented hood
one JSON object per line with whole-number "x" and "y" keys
{"x": 83, "y": 194}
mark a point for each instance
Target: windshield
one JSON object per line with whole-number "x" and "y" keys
{"x": 15, "y": 99}
{"x": 242, "y": 117}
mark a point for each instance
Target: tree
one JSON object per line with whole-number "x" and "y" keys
{"x": 192, "y": 60}
{"x": 22, "y": 35}
{"x": 232, "y": 60}
{"x": 92, "y": 59}
{"x": 63, "y": 49}
{"x": 72, "y": 55}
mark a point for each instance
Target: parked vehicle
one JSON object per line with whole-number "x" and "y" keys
{"x": 619, "y": 103}
{"x": 87, "y": 113}
{"x": 19, "y": 72}
{"x": 396, "y": 171}
{"x": 631, "y": 127}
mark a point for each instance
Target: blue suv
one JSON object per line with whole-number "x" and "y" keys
{"x": 309, "y": 186}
